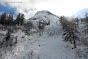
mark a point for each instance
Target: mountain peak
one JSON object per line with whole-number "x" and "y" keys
{"x": 46, "y": 16}
{"x": 43, "y": 12}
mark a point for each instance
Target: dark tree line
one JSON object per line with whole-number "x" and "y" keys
{"x": 9, "y": 20}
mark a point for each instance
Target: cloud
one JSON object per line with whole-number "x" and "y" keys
{"x": 64, "y": 7}
{"x": 1, "y": 13}
{"x": 58, "y": 7}
{"x": 21, "y": 6}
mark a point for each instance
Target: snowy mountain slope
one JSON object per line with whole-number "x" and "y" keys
{"x": 54, "y": 27}
{"x": 40, "y": 47}
{"x": 49, "y": 45}
{"x": 45, "y": 15}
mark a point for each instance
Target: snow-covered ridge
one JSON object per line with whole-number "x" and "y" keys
{"x": 43, "y": 12}
{"x": 54, "y": 26}
{"x": 45, "y": 15}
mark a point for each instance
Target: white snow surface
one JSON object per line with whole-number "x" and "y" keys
{"x": 40, "y": 47}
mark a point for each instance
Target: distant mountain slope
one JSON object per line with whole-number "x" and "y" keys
{"x": 54, "y": 27}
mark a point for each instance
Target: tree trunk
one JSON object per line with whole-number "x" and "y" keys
{"x": 74, "y": 44}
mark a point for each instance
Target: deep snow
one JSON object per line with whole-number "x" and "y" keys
{"x": 40, "y": 47}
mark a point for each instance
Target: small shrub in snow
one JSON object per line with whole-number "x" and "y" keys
{"x": 41, "y": 26}
{"x": 8, "y": 41}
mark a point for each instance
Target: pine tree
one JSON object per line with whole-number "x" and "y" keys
{"x": 70, "y": 30}
{"x": 22, "y": 19}
{"x": 85, "y": 30}
{"x": 10, "y": 19}
{"x": 41, "y": 26}
{"x": 8, "y": 36}
{"x": 3, "y": 18}
{"x": 18, "y": 19}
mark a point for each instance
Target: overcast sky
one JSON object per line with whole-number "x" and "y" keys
{"x": 30, "y": 7}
